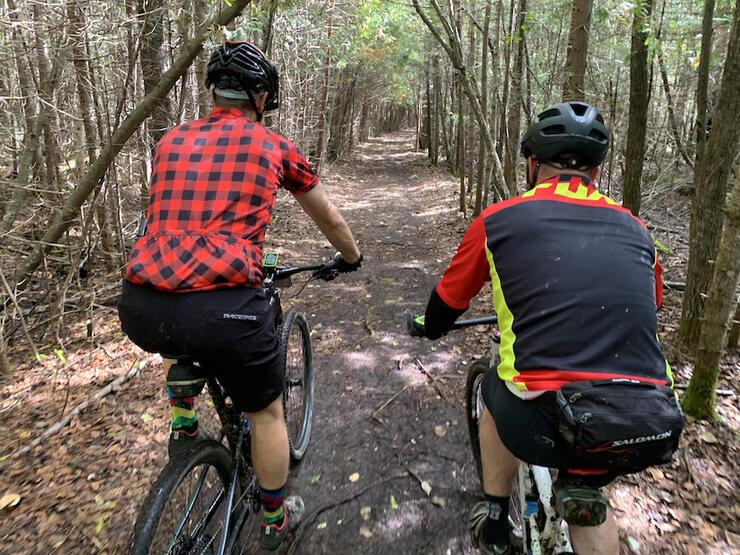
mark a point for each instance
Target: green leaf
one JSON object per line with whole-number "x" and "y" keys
{"x": 394, "y": 503}
{"x": 315, "y": 478}
{"x": 60, "y": 355}
{"x": 661, "y": 247}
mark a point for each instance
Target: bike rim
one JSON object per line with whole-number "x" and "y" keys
{"x": 193, "y": 512}
{"x": 297, "y": 386}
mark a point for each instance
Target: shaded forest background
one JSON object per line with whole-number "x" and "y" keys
{"x": 87, "y": 89}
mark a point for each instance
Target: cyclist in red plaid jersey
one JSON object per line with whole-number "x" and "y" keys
{"x": 211, "y": 196}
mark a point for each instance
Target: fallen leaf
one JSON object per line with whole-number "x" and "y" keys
{"x": 321, "y": 525}
{"x": 354, "y": 476}
{"x": 427, "y": 487}
{"x": 315, "y": 478}
{"x": 440, "y": 430}
{"x": 632, "y": 544}
{"x": 365, "y": 532}
{"x": 439, "y": 501}
{"x": 146, "y": 417}
{"x": 365, "y": 512}
{"x": 9, "y": 500}
{"x": 394, "y": 504}
{"x": 708, "y": 437}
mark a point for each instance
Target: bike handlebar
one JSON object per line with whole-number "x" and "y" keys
{"x": 415, "y": 324}
{"x": 483, "y": 320}
{"x": 284, "y": 272}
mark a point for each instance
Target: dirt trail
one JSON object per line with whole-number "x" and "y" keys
{"x": 80, "y": 491}
{"x": 405, "y": 224}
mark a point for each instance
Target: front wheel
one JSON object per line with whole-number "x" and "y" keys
{"x": 474, "y": 409}
{"x": 184, "y": 510}
{"x": 296, "y": 357}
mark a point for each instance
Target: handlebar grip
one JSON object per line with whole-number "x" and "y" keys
{"x": 413, "y": 326}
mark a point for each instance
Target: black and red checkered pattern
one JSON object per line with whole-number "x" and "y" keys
{"x": 211, "y": 196}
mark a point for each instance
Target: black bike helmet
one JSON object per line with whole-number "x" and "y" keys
{"x": 241, "y": 67}
{"x": 575, "y": 129}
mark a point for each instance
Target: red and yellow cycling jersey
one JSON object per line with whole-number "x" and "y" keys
{"x": 576, "y": 284}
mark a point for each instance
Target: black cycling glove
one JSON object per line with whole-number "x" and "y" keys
{"x": 338, "y": 265}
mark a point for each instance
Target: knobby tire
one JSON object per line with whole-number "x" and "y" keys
{"x": 294, "y": 333}
{"x": 205, "y": 454}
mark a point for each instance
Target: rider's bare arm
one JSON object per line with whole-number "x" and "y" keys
{"x": 330, "y": 221}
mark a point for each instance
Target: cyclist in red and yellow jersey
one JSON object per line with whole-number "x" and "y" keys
{"x": 192, "y": 285}
{"x": 576, "y": 284}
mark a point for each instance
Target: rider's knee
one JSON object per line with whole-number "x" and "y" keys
{"x": 271, "y": 414}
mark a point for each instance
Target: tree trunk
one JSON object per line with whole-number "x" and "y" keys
{"x": 152, "y": 13}
{"x": 575, "y": 63}
{"x": 87, "y": 184}
{"x": 671, "y": 112}
{"x": 201, "y": 63}
{"x": 437, "y": 118}
{"x": 324, "y": 95}
{"x": 515, "y": 102}
{"x": 84, "y": 97}
{"x": 484, "y": 108}
{"x": 638, "y": 107}
{"x": 698, "y": 401}
{"x": 710, "y": 189}
{"x": 703, "y": 78}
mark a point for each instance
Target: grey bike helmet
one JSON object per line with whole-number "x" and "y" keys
{"x": 575, "y": 129}
{"x": 236, "y": 69}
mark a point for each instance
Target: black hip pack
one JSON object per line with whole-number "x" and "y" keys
{"x": 619, "y": 424}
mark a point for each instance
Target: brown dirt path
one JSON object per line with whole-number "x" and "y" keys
{"x": 80, "y": 491}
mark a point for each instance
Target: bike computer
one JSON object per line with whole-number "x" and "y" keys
{"x": 270, "y": 260}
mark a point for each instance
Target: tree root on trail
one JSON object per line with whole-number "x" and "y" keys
{"x": 115, "y": 385}
{"x": 346, "y": 499}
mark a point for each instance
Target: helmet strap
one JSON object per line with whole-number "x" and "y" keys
{"x": 531, "y": 183}
{"x": 257, "y": 111}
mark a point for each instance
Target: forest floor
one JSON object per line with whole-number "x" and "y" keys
{"x": 388, "y": 409}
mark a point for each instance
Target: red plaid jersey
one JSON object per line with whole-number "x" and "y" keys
{"x": 211, "y": 196}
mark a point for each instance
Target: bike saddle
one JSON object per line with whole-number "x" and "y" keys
{"x": 184, "y": 378}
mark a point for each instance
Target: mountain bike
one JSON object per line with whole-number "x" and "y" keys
{"x": 534, "y": 520}
{"x": 202, "y": 499}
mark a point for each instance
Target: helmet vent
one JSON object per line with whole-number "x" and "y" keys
{"x": 551, "y": 113}
{"x": 578, "y": 108}
{"x": 554, "y": 130}
{"x": 599, "y": 118}
{"x": 598, "y": 135}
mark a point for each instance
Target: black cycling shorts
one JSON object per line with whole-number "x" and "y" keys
{"x": 229, "y": 332}
{"x": 529, "y": 430}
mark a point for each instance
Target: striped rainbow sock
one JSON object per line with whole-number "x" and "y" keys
{"x": 272, "y": 505}
{"x": 182, "y": 410}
